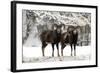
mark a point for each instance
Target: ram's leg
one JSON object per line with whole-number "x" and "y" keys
{"x": 74, "y": 49}
{"x": 62, "y": 48}
{"x": 52, "y": 49}
{"x": 71, "y": 49}
{"x": 57, "y": 45}
{"x": 43, "y": 48}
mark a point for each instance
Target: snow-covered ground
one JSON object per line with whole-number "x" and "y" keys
{"x": 34, "y": 54}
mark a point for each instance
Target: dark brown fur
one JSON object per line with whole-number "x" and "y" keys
{"x": 69, "y": 37}
{"x": 51, "y": 36}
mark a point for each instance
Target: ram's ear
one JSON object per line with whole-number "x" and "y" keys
{"x": 54, "y": 26}
{"x": 62, "y": 26}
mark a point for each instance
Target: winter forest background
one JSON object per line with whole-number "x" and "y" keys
{"x": 36, "y": 21}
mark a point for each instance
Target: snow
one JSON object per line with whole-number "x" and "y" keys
{"x": 34, "y": 54}
{"x": 33, "y": 39}
{"x": 54, "y": 59}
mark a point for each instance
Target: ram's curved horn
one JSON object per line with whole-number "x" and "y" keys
{"x": 70, "y": 28}
{"x": 78, "y": 27}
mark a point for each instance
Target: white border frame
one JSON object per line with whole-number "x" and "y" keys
{"x": 50, "y": 65}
